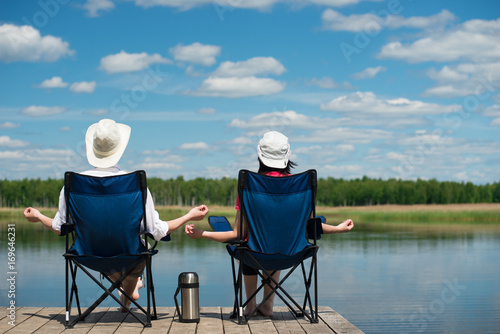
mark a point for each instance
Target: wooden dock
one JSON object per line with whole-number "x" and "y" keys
{"x": 213, "y": 320}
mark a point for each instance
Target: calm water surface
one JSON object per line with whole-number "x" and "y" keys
{"x": 384, "y": 279}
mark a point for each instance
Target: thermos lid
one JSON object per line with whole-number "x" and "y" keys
{"x": 188, "y": 278}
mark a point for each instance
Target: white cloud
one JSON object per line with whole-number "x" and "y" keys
{"x": 492, "y": 111}
{"x": 367, "y": 102}
{"x": 206, "y": 111}
{"x": 333, "y": 20}
{"x": 282, "y": 119}
{"x": 369, "y": 73}
{"x": 327, "y": 83}
{"x": 196, "y": 53}
{"x": 336, "y": 3}
{"x": 6, "y": 141}
{"x": 475, "y": 79}
{"x": 341, "y": 134}
{"x": 95, "y": 7}
{"x": 161, "y": 160}
{"x": 54, "y": 82}
{"x": 40, "y": 111}
{"x": 422, "y": 22}
{"x": 11, "y": 155}
{"x": 130, "y": 62}
{"x": 83, "y": 87}
{"x": 476, "y": 40}
{"x": 195, "y": 146}
{"x": 188, "y": 4}
{"x": 238, "y": 87}
{"x": 9, "y": 125}
{"x": 24, "y": 43}
{"x": 250, "y": 67}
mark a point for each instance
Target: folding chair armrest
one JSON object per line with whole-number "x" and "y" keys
{"x": 66, "y": 229}
{"x": 315, "y": 225}
{"x": 165, "y": 238}
{"x": 219, "y": 223}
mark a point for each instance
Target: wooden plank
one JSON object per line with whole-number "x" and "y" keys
{"x": 337, "y": 322}
{"x": 261, "y": 324}
{"x": 56, "y": 324}
{"x": 179, "y": 327}
{"x": 165, "y": 316}
{"x": 22, "y": 315}
{"x": 109, "y": 322}
{"x": 213, "y": 320}
{"x": 210, "y": 320}
{"x": 314, "y": 328}
{"x": 231, "y": 325}
{"x": 36, "y": 320}
{"x": 285, "y": 322}
{"x": 84, "y": 327}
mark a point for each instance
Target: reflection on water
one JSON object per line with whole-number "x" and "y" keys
{"x": 408, "y": 279}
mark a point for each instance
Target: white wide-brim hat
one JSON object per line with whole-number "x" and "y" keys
{"x": 106, "y": 141}
{"x": 274, "y": 150}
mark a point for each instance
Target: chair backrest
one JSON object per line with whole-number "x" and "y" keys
{"x": 106, "y": 212}
{"x": 277, "y": 209}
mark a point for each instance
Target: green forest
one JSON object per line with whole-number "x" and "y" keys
{"x": 331, "y": 192}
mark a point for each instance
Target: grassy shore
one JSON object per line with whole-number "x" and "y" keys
{"x": 417, "y": 214}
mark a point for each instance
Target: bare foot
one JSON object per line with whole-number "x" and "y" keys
{"x": 135, "y": 295}
{"x": 139, "y": 285}
{"x": 249, "y": 308}
{"x": 266, "y": 309}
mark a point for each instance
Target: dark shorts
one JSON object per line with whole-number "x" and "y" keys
{"x": 249, "y": 271}
{"x": 137, "y": 272}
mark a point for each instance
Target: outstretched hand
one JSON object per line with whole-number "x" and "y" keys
{"x": 32, "y": 214}
{"x": 198, "y": 213}
{"x": 346, "y": 225}
{"x": 192, "y": 232}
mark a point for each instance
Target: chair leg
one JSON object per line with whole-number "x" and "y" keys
{"x": 108, "y": 292}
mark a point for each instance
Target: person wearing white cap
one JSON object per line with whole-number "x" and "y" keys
{"x": 273, "y": 153}
{"x": 105, "y": 144}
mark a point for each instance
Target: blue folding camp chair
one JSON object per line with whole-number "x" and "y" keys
{"x": 277, "y": 212}
{"x": 103, "y": 217}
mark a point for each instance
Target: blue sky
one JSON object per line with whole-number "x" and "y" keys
{"x": 387, "y": 89}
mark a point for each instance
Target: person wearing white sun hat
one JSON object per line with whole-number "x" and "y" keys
{"x": 273, "y": 152}
{"x": 106, "y": 142}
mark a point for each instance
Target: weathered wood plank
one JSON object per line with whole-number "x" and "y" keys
{"x": 84, "y": 327}
{"x": 231, "y": 325}
{"x": 21, "y": 315}
{"x": 163, "y": 323}
{"x": 213, "y": 320}
{"x": 56, "y": 324}
{"x": 36, "y": 320}
{"x": 337, "y": 322}
{"x": 314, "y": 328}
{"x": 261, "y": 324}
{"x": 210, "y": 320}
{"x": 285, "y": 322}
{"x": 109, "y": 322}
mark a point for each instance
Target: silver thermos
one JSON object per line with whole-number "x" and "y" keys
{"x": 189, "y": 287}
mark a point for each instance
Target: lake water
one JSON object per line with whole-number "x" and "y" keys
{"x": 384, "y": 279}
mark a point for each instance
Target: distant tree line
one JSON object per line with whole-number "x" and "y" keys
{"x": 331, "y": 192}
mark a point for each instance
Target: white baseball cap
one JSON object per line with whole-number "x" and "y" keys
{"x": 274, "y": 150}
{"x": 106, "y": 141}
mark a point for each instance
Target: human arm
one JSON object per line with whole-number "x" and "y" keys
{"x": 343, "y": 227}
{"x": 35, "y": 216}
{"x": 196, "y": 213}
{"x": 226, "y": 236}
